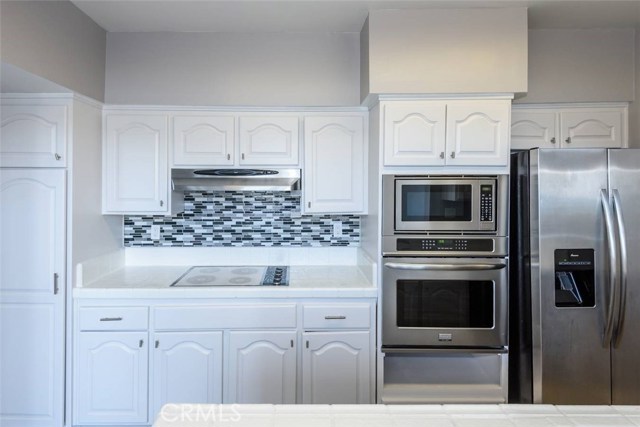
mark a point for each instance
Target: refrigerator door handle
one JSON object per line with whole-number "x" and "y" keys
{"x": 622, "y": 240}
{"x": 613, "y": 267}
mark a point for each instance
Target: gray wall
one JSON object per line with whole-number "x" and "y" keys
{"x": 634, "y": 110}
{"x": 269, "y": 69}
{"x": 581, "y": 66}
{"x": 364, "y": 59}
{"x": 447, "y": 51}
{"x": 54, "y": 40}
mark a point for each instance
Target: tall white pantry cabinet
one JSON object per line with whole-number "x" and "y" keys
{"x": 33, "y": 194}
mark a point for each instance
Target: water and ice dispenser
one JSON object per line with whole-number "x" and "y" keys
{"x": 575, "y": 278}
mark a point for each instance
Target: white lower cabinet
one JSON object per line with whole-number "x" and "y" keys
{"x": 111, "y": 381}
{"x": 187, "y": 368}
{"x": 261, "y": 367}
{"x": 336, "y": 367}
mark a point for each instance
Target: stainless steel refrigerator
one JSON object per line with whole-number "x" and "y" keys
{"x": 574, "y": 334}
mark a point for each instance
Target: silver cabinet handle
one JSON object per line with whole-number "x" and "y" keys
{"x": 242, "y": 156}
{"x": 335, "y": 317}
{"x": 291, "y": 343}
{"x": 444, "y": 267}
{"x": 140, "y": 343}
{"x": 228, "y": 156}
{"x": 442, "y": 154}
{"x": 57, "y": 156}
{"x": 553, "y": 140}
{"x": 613, "y": 267}
{"x": 110, "y": 319}
{"x": 55, "y": 283}
{"x": 308, "y": 204}
{"x": 622, "y": 289}
{"x": 157, "y": 343}
{"x": 453, "y": 154}
{"x": 568, "y": 140}
{"x": 161, "y": 203}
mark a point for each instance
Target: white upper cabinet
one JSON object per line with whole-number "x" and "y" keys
{"x": 414, "y": 133}
{"x": 135, "y": 164}
{"x": 478, "y": 133}
{"x": 334, "y": 166}
{"x": 33, "y": 134}
{"x": 569, "y": 126}
{"x": 451, "y": 133}
{"x": 269, "y": 140}
{"x": 533, "y": 129}
{"x": 205, "y": 140}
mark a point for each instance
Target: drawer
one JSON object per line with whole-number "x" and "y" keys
{"x": 114, "y": 319}
{"x": 235, "y": 316}
{"x": 336, "y": 316}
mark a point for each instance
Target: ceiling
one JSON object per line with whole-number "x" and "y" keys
{"x": 332, "y": 15}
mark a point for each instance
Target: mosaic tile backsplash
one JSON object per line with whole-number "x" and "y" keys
{"x": 233, "y": 218}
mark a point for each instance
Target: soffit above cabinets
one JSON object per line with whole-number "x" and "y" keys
{"x": 330, "y": 15}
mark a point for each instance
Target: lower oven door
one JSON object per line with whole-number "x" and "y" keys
{"x": 444, "y": 302}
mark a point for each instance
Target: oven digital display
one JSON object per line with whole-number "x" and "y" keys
{"x": 463, "y": 245}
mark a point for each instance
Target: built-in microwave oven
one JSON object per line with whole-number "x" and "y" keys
{"x": 444, "y": 204}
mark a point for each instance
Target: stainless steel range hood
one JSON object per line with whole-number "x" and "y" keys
{"x": 235, "y": 179}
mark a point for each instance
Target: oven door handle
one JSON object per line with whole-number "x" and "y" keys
{"x": 445, "y": 267}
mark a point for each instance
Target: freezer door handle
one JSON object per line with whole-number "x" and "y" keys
{"x": 613, "y": 267}
{"x": 622, "y": 291}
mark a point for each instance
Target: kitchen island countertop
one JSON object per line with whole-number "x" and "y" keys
{"x": 193, "y": 415}
{"x": 155, "y": 282}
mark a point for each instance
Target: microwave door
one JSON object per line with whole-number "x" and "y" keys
{"x": 436, "y": 205}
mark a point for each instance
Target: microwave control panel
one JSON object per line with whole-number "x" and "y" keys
{"x": 438, "y": 245}
{"x": 486, "y": 203}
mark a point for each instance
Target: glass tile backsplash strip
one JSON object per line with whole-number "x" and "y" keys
{"x": 234, "y": 218}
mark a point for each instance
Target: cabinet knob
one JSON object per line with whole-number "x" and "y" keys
{"x": 453, "y": 154}
{"x": 140, "y": 343}
{"x": 568, "y": 140}
{"x": 553, "y": 140}
{"x": 57, "y": 156}
{"x": 228, "y": 156}
{"x": 442, "y": 154}
{"x": 308, "y": 204}
{"x": 157, "y": 343}
{"x": 161, "y": 203}
{"x": 242, "y": 156}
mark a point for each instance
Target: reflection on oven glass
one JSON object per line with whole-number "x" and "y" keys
{"x": 445, "y": 304}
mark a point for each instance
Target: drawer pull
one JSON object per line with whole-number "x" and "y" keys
{"x": 335, "y": 317}
{"x": 110, "y": 319}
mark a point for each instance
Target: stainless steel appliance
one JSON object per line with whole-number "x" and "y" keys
{"x": 575, "y": 294}
{"x": 235, "y": 179}
{"x": 234, "y": 276}
{"x": 444, "y": 289}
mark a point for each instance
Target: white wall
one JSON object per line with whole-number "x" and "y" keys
{"x": 93, "y": 234}
{"x": 447, "y": 51}
{"x": 267, "y": 69}
{"x": 581, "y": 66}
{"x": 634, "y": 110}
{"x": 56, "y": 41}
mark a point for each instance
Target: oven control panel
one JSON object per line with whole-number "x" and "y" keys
{"x": 486, "y": 203}
{"x": 439, "y": 245}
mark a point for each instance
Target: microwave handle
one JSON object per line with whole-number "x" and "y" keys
{"x": 444, "y": 267}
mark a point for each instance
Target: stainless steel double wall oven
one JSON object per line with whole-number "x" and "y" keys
{"x": 445, "y": 274}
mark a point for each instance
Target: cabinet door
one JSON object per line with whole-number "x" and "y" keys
{"x": 478, "y": 133}
{"x": 334, "y": 164}
{"x": 531, "y": 129}
{"x": 136, "y": 169}
{"x": 111, "y": 378}
{"x": 261, "y": 367}
{"x": 336, "y": 368}
{"x": 32, "y": 244}
{"x": 414, "y": 133}
{"x": 33, "y": 135}
{"x": 592, "y": 128}
{"x": 203, "y": 140}
{"x": 187, "y": 368}
{"x": 269, "y": 140}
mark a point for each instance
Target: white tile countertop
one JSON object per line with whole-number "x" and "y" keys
{"x": 192, "y": 415}
{"x": 155, "y": 282}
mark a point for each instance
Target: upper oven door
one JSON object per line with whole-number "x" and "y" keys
{"x": 433, "y": 204}
{"x": 450, "y": 302}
